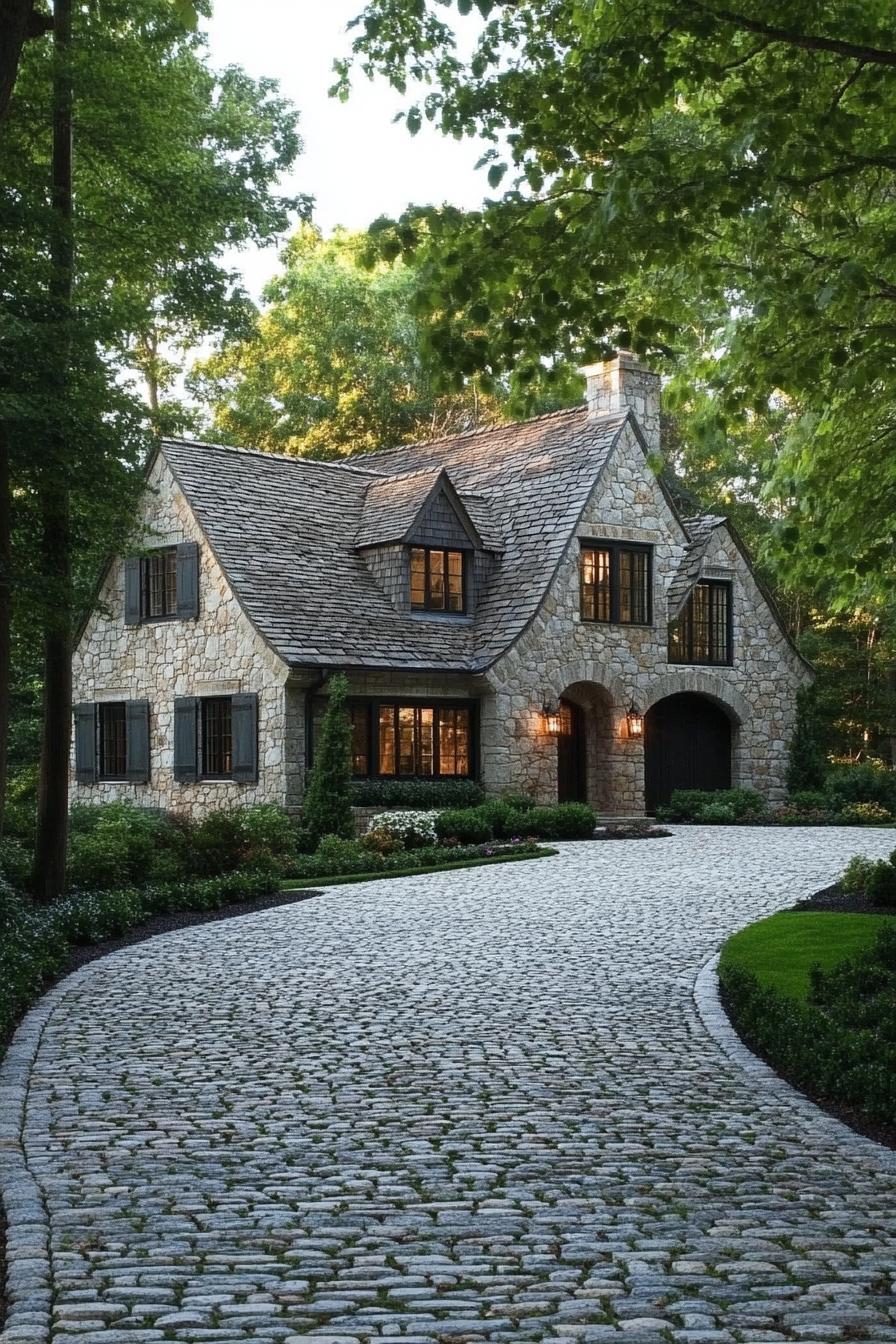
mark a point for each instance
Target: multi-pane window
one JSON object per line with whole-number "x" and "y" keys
{"x": 160, "y": 583}
{"x": 217, "y": 737}
{"x": 615, "y": 583}
{"x": 702, "y": 632}
{"x": 113, "y": 759}
{"x": 411, "y": 740}
{"x": 437, "y": 579}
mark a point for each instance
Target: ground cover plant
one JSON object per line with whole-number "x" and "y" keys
{"x": 814, "y": 993}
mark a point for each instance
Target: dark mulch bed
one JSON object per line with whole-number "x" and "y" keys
{"x": 168, "y": 923}
{"x": 843, "y": 902}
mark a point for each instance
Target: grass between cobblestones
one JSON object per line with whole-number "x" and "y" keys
{"x": 345, "y": 879}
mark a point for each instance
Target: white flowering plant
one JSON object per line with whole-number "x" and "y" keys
{"x": 413, "y": 828}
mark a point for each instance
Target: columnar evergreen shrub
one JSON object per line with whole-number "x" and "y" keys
{"x": 327, "y": 808}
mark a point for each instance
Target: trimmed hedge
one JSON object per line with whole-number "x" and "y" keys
{"x": 36, "y": 941}
{"x": 840, "y": 1046}
{"x": 425, "y": 794}
{"x": 499, "y": 819}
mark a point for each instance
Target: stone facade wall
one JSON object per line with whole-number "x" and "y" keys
{"x": 218, "y": 654}
{"x": 606, "y": 667}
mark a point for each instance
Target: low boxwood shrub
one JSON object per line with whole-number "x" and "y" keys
{"x": 841, "y": 1045}
{"x": 15, "y": 862}
{"x": 702, "y": 805}
{"x": 425, "y": 794}
{"x": 874, "y": 878}
{"x": 465, "y": 825}
{"x": 496, "y": 820}
{"x": 335, "y": 857}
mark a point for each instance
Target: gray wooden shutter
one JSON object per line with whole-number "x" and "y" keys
{"x": 85, "y": 743}
{"x": 188, "y": 580}
{"x": 186, "y": 764}
{"x": 132, "y": 573}
{"x": 137, "y": 740}
{"x": 244, "y": 727}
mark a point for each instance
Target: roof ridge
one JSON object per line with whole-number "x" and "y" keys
{"x": 276, "y": 457}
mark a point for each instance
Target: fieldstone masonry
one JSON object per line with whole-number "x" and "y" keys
{"x": 601, "y": 667}
{"x": 606, "y": 667}
{"x": 218, "y": 654}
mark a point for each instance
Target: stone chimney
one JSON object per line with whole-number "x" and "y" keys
{"x": 623, "y": 384}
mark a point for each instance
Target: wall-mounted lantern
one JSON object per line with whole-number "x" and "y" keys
{"x": 635, "y": 720}
{"x": 550, "y": 715}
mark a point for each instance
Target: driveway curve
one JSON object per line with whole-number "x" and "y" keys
{"x": 478, "y": 1105}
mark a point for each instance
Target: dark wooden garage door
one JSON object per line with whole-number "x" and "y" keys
{"x": 687, "y": 745}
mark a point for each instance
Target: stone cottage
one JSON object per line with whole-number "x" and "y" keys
{"x": 520, "y": 605}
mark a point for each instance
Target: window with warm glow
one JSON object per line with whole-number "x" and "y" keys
{"x": 427, "y": 741}
{"x": 702, "y": 632}
{"x": 616, "y": 583}
{"x": 437, "y": 579}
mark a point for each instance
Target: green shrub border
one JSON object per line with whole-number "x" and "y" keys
{"x": 835, "y": 1065}
{"x": 343, "y": 879}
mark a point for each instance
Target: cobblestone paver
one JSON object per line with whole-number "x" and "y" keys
{"x": 475, "y": 1106}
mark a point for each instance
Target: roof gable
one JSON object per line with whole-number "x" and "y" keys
{"x": 285, "y": 530}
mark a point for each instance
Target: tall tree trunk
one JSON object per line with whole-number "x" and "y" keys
{"x": 5, "y": 613}
{"x": 52, "y": 801}
{"x": 19, "y": 20}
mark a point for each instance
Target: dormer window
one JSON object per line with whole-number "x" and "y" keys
{"x": 615, "y": 581}
{"x": 437, "y": 580}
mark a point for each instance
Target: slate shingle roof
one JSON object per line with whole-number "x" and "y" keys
{"x": 285, "y": 530}
{"x": 700, "y": 531}
{"x": 392, "y": 503}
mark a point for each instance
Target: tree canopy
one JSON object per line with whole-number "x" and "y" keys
{"x": 335, "y": 361}
{"x": 709, "y": 185}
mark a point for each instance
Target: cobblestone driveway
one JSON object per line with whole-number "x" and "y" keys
{"x": 478, "y": 1105}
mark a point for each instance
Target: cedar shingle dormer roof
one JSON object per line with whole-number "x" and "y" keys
{"x": 700, "y": 530}
{"x": 393, "y": 504}
{"x": 286, "y": 532}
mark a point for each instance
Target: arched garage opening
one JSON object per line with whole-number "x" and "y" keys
{"x": 687, "y": 745}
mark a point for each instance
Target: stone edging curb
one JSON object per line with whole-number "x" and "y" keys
{"x": 718, "y": 1024}
{"x": 28, "y": 1261}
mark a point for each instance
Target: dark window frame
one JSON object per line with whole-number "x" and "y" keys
{"x": 169, "y": 553}
{"x": 427, "y": 604}
{"x": 685, "y": 619}
{"x": 372, "y": 706}
{"x": 121, "y": 748}
{"x": 615, "y": 549}
{"x": 206, "y": 704}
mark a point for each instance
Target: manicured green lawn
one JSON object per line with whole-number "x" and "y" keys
{"x": 779, "y": 950}
{"x": 295, "y": 884}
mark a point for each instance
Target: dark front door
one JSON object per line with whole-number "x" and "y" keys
{"x": 571, "y": 754}
{"x": 687, "y": 745}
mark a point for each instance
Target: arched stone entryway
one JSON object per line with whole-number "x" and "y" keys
{"x": 688, "y": 741}
{"x": 585, "y": 745}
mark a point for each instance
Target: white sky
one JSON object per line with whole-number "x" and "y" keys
{"x": 356, "y": 162}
